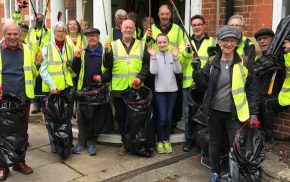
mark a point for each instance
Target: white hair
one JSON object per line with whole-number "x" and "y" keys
{"x": 9, "y": 22}
{"x": 61, "y": 25}
{"x": 120, "y": 12}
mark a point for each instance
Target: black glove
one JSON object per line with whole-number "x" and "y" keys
{"x": 265, "y": 62}
{"x": 212, "y": 51}
{"x": 188, "y": 49}
{"x": 195, "y": 63}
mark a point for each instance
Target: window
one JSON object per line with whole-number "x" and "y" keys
{"x": 9, "y": 6}
{"x": 281, "y": 9}
{"x": 285, "y": 8}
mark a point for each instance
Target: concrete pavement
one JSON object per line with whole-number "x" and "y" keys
{"x": 105, "y": 166}
{"x": 109, "y": 167}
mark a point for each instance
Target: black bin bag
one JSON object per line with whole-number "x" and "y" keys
{"x": 96, "y": 94}
{"x": 95, "y": 108}
{"x": 246, "y": 156}
{"x": 12, "y": 130}
{"x": 140, "y": 127}
{"x": 197, "y": 120}
{"x": 56, "y": 110}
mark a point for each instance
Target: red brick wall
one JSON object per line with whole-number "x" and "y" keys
{"x": 257, "y": 14}
{"x": 282, "y": 124}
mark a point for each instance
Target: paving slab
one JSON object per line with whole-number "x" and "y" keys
{"x": 56, "y": 172}
{"x": 187, "y": 170}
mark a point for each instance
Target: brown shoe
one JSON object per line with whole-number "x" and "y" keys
{"x": 22, "y": 168}
{"x": 122, "y": 150}
{"x": 4, "y": 171}
{"x": 35, "y": 109}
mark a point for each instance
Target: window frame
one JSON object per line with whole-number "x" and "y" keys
{"x": 277, "y": 13}
{"x": 11, "y": 9}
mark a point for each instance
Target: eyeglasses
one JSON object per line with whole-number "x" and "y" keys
{"x": 236, "y": 25}
{"x": 197, "y": 25}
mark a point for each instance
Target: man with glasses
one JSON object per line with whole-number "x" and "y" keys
{"x": 246, "y": 49}
{"x": 201, "y": 41}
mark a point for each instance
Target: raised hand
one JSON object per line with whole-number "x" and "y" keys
{"x": 175, "y": 51}
{"x": 152, "y": 52}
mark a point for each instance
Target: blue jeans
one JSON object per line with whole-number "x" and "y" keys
{"x": 185, "y": 111}
{"x": 165, "y": 102}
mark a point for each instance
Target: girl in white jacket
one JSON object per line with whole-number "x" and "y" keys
{"x": 164, "y": 65}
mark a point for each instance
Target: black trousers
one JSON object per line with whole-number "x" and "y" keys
{"x": 121, "y": 114}
{"x": 220, "y": 125}
{"x": 269, "y": 106}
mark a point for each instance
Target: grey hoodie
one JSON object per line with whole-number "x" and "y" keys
{"x": 164, "y": 69}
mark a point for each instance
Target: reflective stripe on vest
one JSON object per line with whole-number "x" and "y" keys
{"x": 284, "y": 94}
{"x": 203, "y": 56}
{"x": 239, "y": 77}
{"x": 27, "y": 69}
{"x": 126, "y": 67}
{"x": 57, "y": 68}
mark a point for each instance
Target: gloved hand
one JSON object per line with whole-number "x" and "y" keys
{"x": 54, "y": 91}
{"x": 195, "y": 63}
{"x": 97, "y": 78}
{"x": 265, "y": 62}
{"x": 188, "y": 49}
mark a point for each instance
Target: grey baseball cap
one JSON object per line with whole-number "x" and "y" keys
{"x": 228, "y": 31}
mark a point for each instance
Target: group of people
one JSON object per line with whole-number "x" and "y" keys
{"x": 34, "y": 63}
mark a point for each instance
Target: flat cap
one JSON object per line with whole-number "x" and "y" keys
{"x": 92, "y": 31}
{"x": 23, "y": 26}
{"x": 264, "y": 31}
{"x": 227, "y": 32}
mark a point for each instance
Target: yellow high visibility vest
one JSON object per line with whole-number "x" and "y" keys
{"x": 16, "y": 16}
{"x": 175, "y": 36}
{"x": 239, "y": 77}
{"x": 185, "y": 60}
{"x": 29, "y": 71}
{"x": 126, "y": 67}
{"x": 240, "y": 49}
{"x": 82, "y": 71}
{"x": 284, "y": 94}
{"x": 81, "y": 41}
{"x": 33, "y": 34}
{"x": 57, "y": 67}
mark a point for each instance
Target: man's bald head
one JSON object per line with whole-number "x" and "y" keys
{"x": 164, "y": 14}
{"x": 128, "y": 28}
{"x": 164, "y": 8}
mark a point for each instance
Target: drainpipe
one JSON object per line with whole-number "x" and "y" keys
{"x": 229, "y": 9}
{"x": 217, "y": 14}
